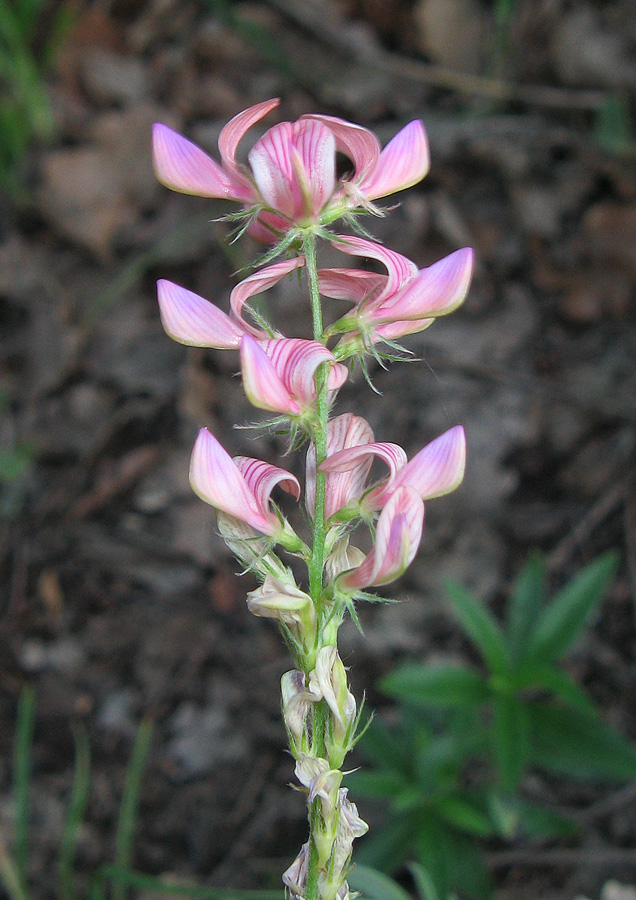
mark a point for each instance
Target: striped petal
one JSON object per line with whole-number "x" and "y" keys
{"x": 189, "y": 319}
{"x": 261, "y": 478}
{"x": 296, "y": 361}
{"x": 232, "y": 133}
{"x": 182, "y": 166}
{"x": 216, "y": 479}
{"x": 359, "y": 144}
{"x": 400, "y": 269}
{"x": 345, "y": 460}
{"x": 355, "y": 285}
{"x": 316, "y": 148}
{"x": 341, "y": 488}
{"x": 436, "y": 291}
{"x": 263, "y": 385}
{"x": 404, "y": 161}
{"x": 438, "y": 468}
{"x": 257, "y": 283}
{"x": 397, "y": 538}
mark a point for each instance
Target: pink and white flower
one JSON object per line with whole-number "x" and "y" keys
{"x": 279, "y": 375}
{"x": 397, "y": 538}
{"x": 436, "y": 470}
{"x": 240, "y": 487}
{"x": 346, "y": 486}
{"x": 189, "y": 319}
{"x": 291, "y": 174}
{"x": 403, "y": 301}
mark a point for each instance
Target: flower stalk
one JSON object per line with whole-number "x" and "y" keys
{"x": 290, "y": 196}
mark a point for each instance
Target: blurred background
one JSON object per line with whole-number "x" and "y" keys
{"x": 118, "y": 599}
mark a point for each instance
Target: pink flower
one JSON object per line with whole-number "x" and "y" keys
{"x": 279, "y": 374}
{"x": 397, "y": 538}
{"x": 240, "y": 487}
{"x": 190, "y": 319}
{"x": 403, "y": 301}
{"x": 341, "y": 487}
{"x": 291, "y": 177}
{"x": 436, "y": 470}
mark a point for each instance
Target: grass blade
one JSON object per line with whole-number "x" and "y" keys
{"x": 130, "y": 804}
{"x": 76, "y": 810}
{"x": 22, "y": 779}
{"x": 149, "y": 883}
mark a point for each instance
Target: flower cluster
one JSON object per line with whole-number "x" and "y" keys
{"x": 290, "y": 196}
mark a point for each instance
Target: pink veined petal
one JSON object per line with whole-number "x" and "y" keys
{"x": 392, "y": 454}
{"x": 355, "y": 285}
{"x": 397, "y": 538}
{"x": 215, "y": 479}
{"x": 337, "y": 376}
{"x": 257, "y": 283}
{"x": 359, "y": 144}
{"x": 271, "y": 164}
{"x": 436, "y": 291}
{"x": 296, "y": 360}
{"x": 400, "y": 269}
{"x": 182, "y": 166}
{"x": 191, "y": 320}
{"x": 263, "y": 385}
{"x": 316, "y": 148}
{"x": 262, "y": 478}
{"x": 438, "y": 468}
{"x": 235, "y": 130}
{"x": 268, "y": 228}
{"x": 404, "y": 161}
{"x": 341, "y": 488}
{"x": 393, "y": 331}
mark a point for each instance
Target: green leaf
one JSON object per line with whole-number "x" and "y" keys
{"x": 510, "y": 741}
{"x": 574, "y": 743}
{"x": 434, "y": 848}
{"x": 382, "y": 746}
{"x": 75, "y": 814}
{"x": 423, "y": 882}
{"x": 464, "y": 814}
{"x": 524, "y": 607}
{"x": 22, "y": 753}
{"x": 386, "y": 848}
{"x": 537, "y": 821}
{"x": 468, "y": 874}
{"x": 375, "y": 785}
{"x": 563, "y": 620}
{"x": 127, "y": 818}
{"x": 440, "y": 685}
{"x": 481, "y": 626}
{"x": 559, "y": 683}
{"x": 374, "y": 885}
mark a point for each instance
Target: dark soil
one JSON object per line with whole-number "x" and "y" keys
{"x": 119, "y": 601}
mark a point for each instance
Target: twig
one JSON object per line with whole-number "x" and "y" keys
{"x": 331, "y": 29}
{"x": 597, "y": 514}
{"x": 585, "y": 856}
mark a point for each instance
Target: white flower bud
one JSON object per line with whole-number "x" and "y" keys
{"x": 295, "y": 877}
{"x": 342, "y": 558}
{"x": 329, "y": 680}
{"x": 283, "y": 600}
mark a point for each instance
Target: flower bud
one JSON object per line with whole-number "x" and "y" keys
{"x": 281, "y": 599}
{"x": 295, "y": 877}
{"x": 342, "y": 558}
{"x": 296, "y": 706}
{"x": 329, "y": 679}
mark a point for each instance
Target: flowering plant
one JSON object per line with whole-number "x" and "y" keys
{"x": 290, "y": 196}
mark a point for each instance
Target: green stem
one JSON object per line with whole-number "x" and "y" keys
{"x": 316, "y": 563}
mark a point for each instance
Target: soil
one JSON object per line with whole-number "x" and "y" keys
{"x": 118, "y": 599}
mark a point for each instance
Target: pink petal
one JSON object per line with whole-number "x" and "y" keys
{"x": 400, "y": 269}
{"x": 438, "y": 468}
{"x": 184, "y": 167}
{"x": 296, "y": 360}
{"x": 271, "y": 164}
{"x": 392, "y": 454}
{"x": 257, "y": 283}
{"x": 359, "y": 144}
{"x": 393, "y": 331}
{"x": 191, "y": 320}
{"x": 262, "y": 478}
{"x": 337, "y": 376}
{"x": 397, "y": 538}
{"x": 316, "y": 148}
{"x": 341, "y": 488}
{"x": 235, "y": 130}
{"x": 263, "y": 385}
{"x": 215, "y": 478}
{"x": 349, "y": 284}
{"x": 403, "y": 162}
{"x": 436, "y": 291}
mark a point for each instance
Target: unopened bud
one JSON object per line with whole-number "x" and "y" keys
{"x": 296, "y": 706}
{"x": 283, "y": 600}
{"x": 342, "y": 558}
{"x": 329, "y": 679}
{"x": 295, "y": 877}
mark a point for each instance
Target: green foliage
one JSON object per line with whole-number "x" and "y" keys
{"x": 452, "y": 768}
{"x": 25, "y": 111}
